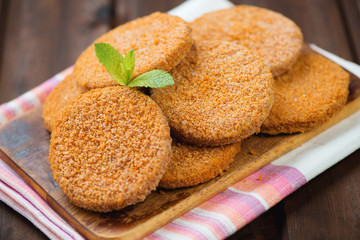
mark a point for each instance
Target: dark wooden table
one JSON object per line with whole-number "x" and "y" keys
{"x": 40, "y": 38}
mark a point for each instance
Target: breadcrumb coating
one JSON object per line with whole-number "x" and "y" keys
{"x": 110, "y": 148}
{"x": 274, "y": 37}
{"x": 58, "y": 98}
{"x": 222, "y": 94}
{"x": 160, "y": 41}
{"x": 191, "y": 165}
{"x": 307, "y": 96}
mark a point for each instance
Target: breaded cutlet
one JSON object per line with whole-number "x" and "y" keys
{"x": 222, "y": 94}
{"x": 58, "y": 98}
{"x": 308, "y": 95}
{"x": 274, "y": 37}
{"x": 191, "y": 165}
{"x": 110, "y": 148}
{"x": 160, "y": 41}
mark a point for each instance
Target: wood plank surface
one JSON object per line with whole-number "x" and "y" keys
{"x": 41, "y": 38}
{"x": 330, "y": 199}
{"x": 15, "y": 226}
{"x": 350, "y": 11}
{"x": 320, "y": 21}
{"x": 330, "y": 207}
{"x": 126, "y": 10}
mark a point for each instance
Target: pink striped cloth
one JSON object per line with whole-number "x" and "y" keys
{"x": 223, "y": 214}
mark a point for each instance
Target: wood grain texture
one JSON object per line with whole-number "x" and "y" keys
{"x": 41, "y": 38}
{"x": 24, "y": 144}
{"x": 16, "y": 225}
{"x": 313, "y": 217}
{"x": 320, "y": 21}
{"x": 127, "y": 10}
{"x": 3, "y": 16}
{"x": 350, "y": 11}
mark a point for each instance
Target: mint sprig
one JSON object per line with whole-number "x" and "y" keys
{"x": 121, "y": 68}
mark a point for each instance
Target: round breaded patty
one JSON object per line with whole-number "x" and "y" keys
{"x": 275, "y": 38}
{"x": 110, "y": 148}
{"x": 307, "y": 96}
{"x": 191, "y": 165}
{"x": 58, "y": 98}
{"x": 222, "y": 94}
{"x": 160, "y": 41}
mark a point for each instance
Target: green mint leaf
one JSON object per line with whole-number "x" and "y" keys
{"x": 121, "y": 68}
{"x": 153, "y": 79}
{"x": 112, "y": 60}
{"x": 129, "y": 62}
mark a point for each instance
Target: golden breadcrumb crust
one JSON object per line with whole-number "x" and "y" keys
{"x": 110, "y": 148}
{"x": 191, "y": 165}
{"x": 307, "y": 96}
{"x": 160, "y": 41}
{"x": 275, "y": 38}
{"x": 58, "y": 98}
{"x": 222, "y": 94}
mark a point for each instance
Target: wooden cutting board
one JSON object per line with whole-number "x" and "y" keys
{"x": 24, "y": 145}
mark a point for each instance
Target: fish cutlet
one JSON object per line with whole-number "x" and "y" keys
{"x": 222, "y": 94}
{"x": 191, "y": 165}
{"x": 160, "y": 41}
{"x": 307, "y": 96}
{"x": 274, "y": 37}
{"x": 110, "y": 148}
{"x": 58, "y": 98}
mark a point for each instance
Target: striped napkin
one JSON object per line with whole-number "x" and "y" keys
{"x": 223, "y": 214}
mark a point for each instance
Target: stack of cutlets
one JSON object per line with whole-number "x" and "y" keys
{"x": 237, "y": 72}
